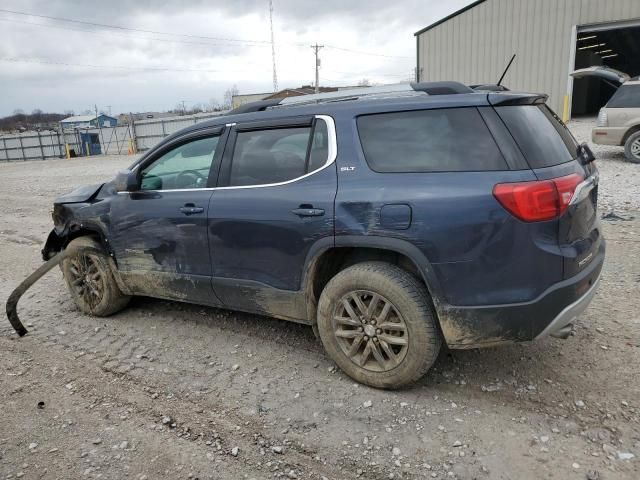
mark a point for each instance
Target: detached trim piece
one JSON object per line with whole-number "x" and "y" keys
{"x": 14, "y": 298}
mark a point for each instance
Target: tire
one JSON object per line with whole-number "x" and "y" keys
{"x": 402, "y": 347}
{"x": 632, "y": 148}
{"x": 90, "y": 280}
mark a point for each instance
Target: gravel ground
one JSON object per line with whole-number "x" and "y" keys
{"x": 170, "y": 390}
{"x": 619, "y": 179}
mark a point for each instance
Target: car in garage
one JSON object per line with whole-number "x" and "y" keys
{"x": 619, "y": 120}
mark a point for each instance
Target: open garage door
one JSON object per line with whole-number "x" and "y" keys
{"x": 615, "y": 45}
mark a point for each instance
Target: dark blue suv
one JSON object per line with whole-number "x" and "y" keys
{"x": 390, "y": 219}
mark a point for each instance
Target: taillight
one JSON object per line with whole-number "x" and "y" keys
{"x": 602, "y": 118}
{"x": 538, "y": 200}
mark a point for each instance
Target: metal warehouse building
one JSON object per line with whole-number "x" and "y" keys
{"x": 550, "y": 38}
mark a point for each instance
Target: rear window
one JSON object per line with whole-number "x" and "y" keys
{"x": 627, "y": 96}
{"x": 541, "y": 136}
{"x": 442, "y": 140}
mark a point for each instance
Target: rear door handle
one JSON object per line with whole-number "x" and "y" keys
{"x": 308, "y": 212}
{"x": 190, "y": 209}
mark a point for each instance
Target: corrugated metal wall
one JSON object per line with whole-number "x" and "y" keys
{"x": 475, "y": 46}
{"x": 150, "y": 132}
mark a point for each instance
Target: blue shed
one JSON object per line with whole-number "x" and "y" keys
{"x": 86, "y": 121}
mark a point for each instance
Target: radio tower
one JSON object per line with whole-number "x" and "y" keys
{"x": 273, "y": 48}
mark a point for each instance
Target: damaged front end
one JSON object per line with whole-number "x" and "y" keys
{"x": 74, "y": 214}
{"x": 77, "y": 213}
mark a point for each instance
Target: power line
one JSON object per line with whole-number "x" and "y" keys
{"x": 155, "y": 32}
{"x": 126, "y": 35}
{"x": 360, "y": 52}
{"x": 130, "y": 29}
{"x": 107, "y": 67}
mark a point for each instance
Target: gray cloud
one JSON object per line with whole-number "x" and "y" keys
{"x": 374, "y": 26}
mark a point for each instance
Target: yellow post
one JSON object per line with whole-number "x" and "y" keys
{"x": 88, "y": 149}
{"x": 67, "y": 149}
{"x": 131, "y": 148}
{"x": 565, "y": 109}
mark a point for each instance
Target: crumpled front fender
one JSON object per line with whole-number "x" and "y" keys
{"x": 80, "y": 194}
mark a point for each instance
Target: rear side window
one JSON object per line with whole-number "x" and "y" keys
{"x": 541, "y": 136}
{"x": 442, "y": 140}
{"x": 627, "y": 96}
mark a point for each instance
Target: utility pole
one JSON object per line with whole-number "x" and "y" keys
{"x": 273, "y": 48}
{"x": 184, "y": 109}
{"x": 316, "y": 49}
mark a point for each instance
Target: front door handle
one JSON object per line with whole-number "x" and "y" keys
{"x": 308, "y": 212}
{"x": 190, "y": 209}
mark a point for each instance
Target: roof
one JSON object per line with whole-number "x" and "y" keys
{"x": 449, "y": 17}
{"x": 83, "y": 118}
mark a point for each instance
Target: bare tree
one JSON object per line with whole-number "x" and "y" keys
{"x": 228, "y": 96}
{"x": 364, "y": 83}
{"x": 214, "y": 105}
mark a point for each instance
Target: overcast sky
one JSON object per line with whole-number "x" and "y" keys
{"x": 202, "y": 48}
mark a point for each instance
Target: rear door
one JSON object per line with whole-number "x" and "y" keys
{"x": 273, "y": 205}
{"x": 552, "y": 152}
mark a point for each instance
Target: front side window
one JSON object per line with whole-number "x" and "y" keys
{"x": 441, "y": 140}
{"x": 186, "y": 166}
{"x": 263, "y": 157}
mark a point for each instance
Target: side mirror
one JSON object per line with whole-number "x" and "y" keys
{"x": 125, "y": 181}
{"x": 585, "y": 154}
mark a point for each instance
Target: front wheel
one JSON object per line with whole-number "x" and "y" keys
{"x": 90, "y": 280}
{"x": 632, "y": 148}
{"x": 377, "y": 323}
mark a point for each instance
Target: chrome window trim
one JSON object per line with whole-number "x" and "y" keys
{"x": 332, "y": 148}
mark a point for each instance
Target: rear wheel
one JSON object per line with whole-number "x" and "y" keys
{"x": 376, "y": 322}
{"x": 632, "y": 148}
{"x": 90, "y": 280}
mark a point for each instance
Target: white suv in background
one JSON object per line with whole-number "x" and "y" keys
{"x": 619, "y": 120}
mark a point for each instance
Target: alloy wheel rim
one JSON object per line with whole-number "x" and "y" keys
{"x": 635, "y": 148}
{"x": 370, "y": 331}
{"x": 86, "y": 279}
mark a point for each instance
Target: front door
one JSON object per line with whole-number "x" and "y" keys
{"x": 160, "y": 230}
{"x": 273, "y": 205}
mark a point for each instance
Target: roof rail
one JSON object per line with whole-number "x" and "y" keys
{"x": 258, "y": 106}
{"x": 429, "y": 88}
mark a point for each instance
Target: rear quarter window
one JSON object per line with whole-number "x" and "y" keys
{"x": 440, "y": 140}
{"x": 541, "y": 136}
{"x": 627, "y": 96}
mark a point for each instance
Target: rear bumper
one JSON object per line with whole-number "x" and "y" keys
{"x": 571, "y": 312}
{"x": 556, "y": 307}
{"x": 608, "y": 135}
